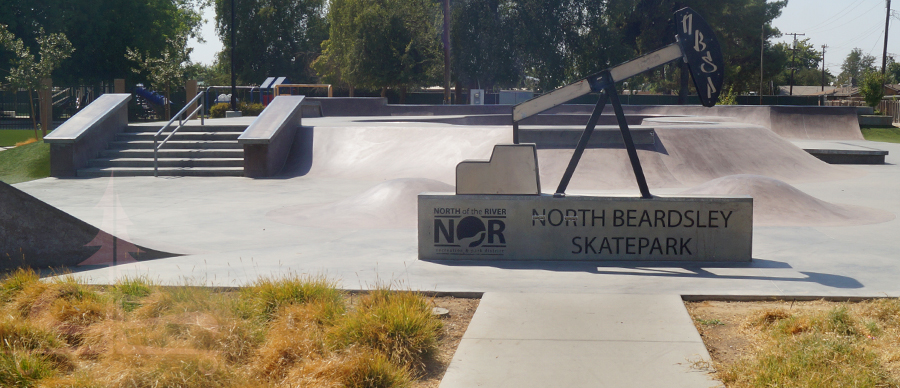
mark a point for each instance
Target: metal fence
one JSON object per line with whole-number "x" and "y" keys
{"x": 15, "y": 112}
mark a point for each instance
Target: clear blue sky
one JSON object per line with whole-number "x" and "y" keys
{"x": 840, "y": 24}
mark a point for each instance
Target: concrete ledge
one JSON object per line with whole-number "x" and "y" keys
{"x": 849, "y": 156}
{"x": 267, "y": 141}
{"x": 581, "y": 228}
{"x": 876, "y": 121}
{"x": 83, "y": 136}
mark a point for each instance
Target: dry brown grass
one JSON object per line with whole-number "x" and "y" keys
{"x": 288, "y": 332}
{"x": 29, "y": 141}
{"x": 803, "y": 344}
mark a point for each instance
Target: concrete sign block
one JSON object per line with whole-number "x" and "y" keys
{"x": 583, "y": 228}
{"x": 512, "y": 169}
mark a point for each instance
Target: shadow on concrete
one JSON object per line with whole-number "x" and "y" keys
{"x": 669, "y": 269}
{"x": 37, "y": 235}
{"x": 300, "y": 158}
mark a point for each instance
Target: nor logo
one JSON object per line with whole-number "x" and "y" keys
{"x": 469, "y": 232}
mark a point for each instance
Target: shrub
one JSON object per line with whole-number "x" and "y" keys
{"x": 21, "y": 334}
{"x": 16, "y": 282}
{"x": 872, "y": 88}
{"x": 130, "y": 290}
{"x": 398, "y": 324}
{"x": 266, "y": 296}
{"x": 23, "y": 369}
{"x": 354, "y": 368}
{"x": 251, "y": 109}
{"x": 218, "y": 111}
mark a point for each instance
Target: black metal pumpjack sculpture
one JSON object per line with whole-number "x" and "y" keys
{"x": 696, "y": 44}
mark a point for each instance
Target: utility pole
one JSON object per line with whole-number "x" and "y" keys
{"x": 887, "y": 23}
{"x": 445, "y": 36}
{"x": 762, "y": 50}
{"x": 793, "y": 54}
{"x": 233, "y": 76}
{"x": 823, "y": 66}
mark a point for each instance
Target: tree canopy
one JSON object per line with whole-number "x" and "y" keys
{"x": 806, "y": 60}
{"x": 27, "y": 71}
{"x": 382, "y": 43}
{"x": 272, "y": 37}
{"x": 855, "y": 66}
{"x": 559, "y": 41}
{"x": 100, "y": 31}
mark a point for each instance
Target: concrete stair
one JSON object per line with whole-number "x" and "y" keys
{"x": 195, "y": 150}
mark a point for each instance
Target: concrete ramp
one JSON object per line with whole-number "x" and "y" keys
{"x": 37, "y": 235}
{"x": 683, "y": 155}
{"x": 690, "y": 153}
{"x": 776, "y": 203}
{"x": 790, "y": 122}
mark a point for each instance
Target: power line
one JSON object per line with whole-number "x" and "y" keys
{"x": 824, "y": 23}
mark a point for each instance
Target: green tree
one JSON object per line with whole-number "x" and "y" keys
{"x": 872, "y": 88}
{"x": 855, "y": 66}
{"x": 481, "y": 41}
{"x": 646, "y": 25}
{"x": 27, "y": 71}
{"x": 218, "y": 73}
{"x": 807, "y": 62}
{"x": 165, "y": 70}
{"x": 382, "y": 44}
{"x": 893, "y": 71}
{"x": 101, "y": 31}
{"x": 272, "y": 37}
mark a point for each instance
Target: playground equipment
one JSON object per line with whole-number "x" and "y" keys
{"x": 291, "y": 87}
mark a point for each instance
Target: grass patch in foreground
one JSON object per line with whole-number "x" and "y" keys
{"x": 807, "y": 344}
{"x": 887, "y": 135}
{"x": 10, "y": 137}
{"x": 291, "y": 331}
{"x": 25, "y": 163}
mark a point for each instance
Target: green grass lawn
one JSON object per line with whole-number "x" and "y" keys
{"x": 25, "y": 163}
{"x": 887, "y": 135}
{"x": 9, "y": 137}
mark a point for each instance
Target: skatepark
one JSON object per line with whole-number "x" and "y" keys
{"x": 343, "y": 205}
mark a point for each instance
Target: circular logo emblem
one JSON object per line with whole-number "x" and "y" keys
{"x": 471, "y": 231}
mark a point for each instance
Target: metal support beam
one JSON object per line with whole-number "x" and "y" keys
{"x": 582, "y": 144}
{"x": 629, "y": 143}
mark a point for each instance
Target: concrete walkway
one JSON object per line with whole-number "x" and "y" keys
{"x": 579, "y": 340}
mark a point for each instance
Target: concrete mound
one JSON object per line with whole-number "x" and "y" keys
{"x": 38, "y": 235}
{"x": 776, "y": 203}
{"x": 388, "y": 205}
{"x": 683, "y": 155}
{"x": 687, "y": 154}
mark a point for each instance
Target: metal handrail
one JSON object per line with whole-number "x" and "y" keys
{"x": 180, "y": 124}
